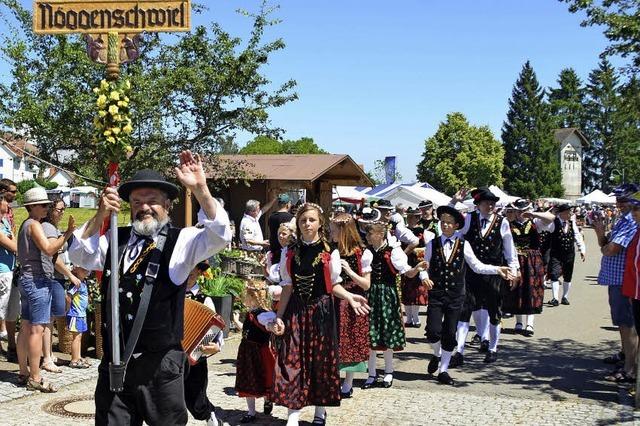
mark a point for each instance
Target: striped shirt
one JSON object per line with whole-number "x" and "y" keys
{"x": 612, "y": 267}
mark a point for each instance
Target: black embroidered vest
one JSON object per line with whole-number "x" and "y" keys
{"x": 307, "y": 270}
{"x": 380, "y": 270}
{"x": 561, "y": 242}
{"x": 488, "y": 249}
{"x": 354, "y": 263}
{"x": 199, "y": 297}
{"x": 430, "y": 225}
{"x": 252, "y": 331}
{"x": 525, "y": 235}
{"x": 447, "y": 274}
{"x": 164, "y": 323}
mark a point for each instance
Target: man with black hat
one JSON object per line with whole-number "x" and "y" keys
{"x": 153, "y": 388}
{"x": 448, "y": 256}
{"x": 564, "y": 234}
{"x": 427, "y": 220}
{"x": 489, "y": 235}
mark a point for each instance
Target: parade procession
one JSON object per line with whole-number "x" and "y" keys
{"x": 175, "y": 250}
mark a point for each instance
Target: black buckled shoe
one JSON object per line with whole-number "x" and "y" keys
{"x": 345, "y": 395}
{"x": 387, "y": 384}
{"x": 319, "y": 420}
{"x": 475, "y": 340}
{"x": 433, "y": 364}
{"x": 268, "y": 407}
{"x": 445, "y": 378}
{"x": 528, "y": 332}
{"x": 491, "y": 357}
{"x": 248, "y": 418}
{"x": 370, "y": 383}
{"x": 457, "y": 360}
{"x": 484, "y": 346}
{"x": 554, "y": 302}
{"x": 565, "y": 301}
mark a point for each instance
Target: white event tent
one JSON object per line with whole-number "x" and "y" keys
{"x": 596, "y": 197}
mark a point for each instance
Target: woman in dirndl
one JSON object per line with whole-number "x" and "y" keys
{"x": 386, "y": 329}
{"x": 353, "y": 330}
{"x": 306, "y": 370}
{"x": 526, "y": 298}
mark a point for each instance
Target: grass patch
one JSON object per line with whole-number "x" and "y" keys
{"x": 81, "y": 215}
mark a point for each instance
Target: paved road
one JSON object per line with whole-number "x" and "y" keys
{"x": 555, "y": 377}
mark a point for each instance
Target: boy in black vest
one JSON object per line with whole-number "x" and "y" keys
{"x": 489, "y": 235}
{"x": 153, "y": 389}
{"x": 448, "y": 256}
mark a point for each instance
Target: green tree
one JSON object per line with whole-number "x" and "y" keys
{"x": 460, "y": 154}
{"x": 621, "y": 22}
{"x": 195, "y": 91}
{"x": 532, "y": 159}
{"x": 601, "y": 108}
{"x": 627, "y": 134}
{"x": 268, "y": 145}
{"x": 567, "y": 101}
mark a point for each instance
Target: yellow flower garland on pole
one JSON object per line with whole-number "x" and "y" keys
{"x": 112, "y": 122}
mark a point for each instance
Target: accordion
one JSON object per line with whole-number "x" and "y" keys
{"x": 201, "y": 327}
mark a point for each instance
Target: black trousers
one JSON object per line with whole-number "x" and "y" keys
{"x": 443, "y": 313}
{"x": 483, "y": 292}
{"x": 153, "y": 391}
{"x": 195, "y": 390}
{"x": 561, "y": 265}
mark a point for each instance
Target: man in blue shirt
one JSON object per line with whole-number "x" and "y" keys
{"x": 614, "y": 249}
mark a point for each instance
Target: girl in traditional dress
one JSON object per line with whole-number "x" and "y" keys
{"x": 255, "y": 361}
{"x": 353, "y": 330}
{"x": 414, "y": 293}
{"x": 286, "y": 235}
{"x": 526, "y": 298}
{"x": 386, "y": 329}
{"x": 306, "y": 370}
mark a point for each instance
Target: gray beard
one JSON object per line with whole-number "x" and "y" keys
{"x": 149, "y": 228}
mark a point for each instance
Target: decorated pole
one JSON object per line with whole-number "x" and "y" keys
{"x": 116, "y": 21}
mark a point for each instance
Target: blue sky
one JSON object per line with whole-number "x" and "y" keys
{"x": 375, "y": 78}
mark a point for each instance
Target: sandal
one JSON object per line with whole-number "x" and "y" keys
{"x": 42, "y": 386}
{"x": 79, "y": 364}
{"x": 51, "y": 367}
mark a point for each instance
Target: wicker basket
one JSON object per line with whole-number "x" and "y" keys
{"x": 228, "y": 265}
{"x": 98, "y": 326}
{"x": 64, "y": 336}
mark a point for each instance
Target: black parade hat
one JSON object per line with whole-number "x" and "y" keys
{"x": 413, "y": 212}
{"x": 457, "y": 216}
{"x": 383, "y": 205}
{"x": 519, "y": 204}
{"x": 148, "y": 178}
{"x": 425, "y": 204}
{"x": 483, "y": 194}
{"x": 562, "y": 208}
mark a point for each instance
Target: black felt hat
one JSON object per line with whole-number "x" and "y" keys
{"x": 370, "y": 215}
{"x": 483, "y": 194}
{"x": 519, "y": 204}
{"x": 148, "y": 178}
{"x": 413, "y": 212}
{"x": 425, "y": 204}
{"x": 562, "y": 208}
{"x": 457, "y": 216}
{"x": 383, "y": 204}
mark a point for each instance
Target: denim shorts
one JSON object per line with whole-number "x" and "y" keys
{"x": 621, "y": 312}
{"x": 35, "y": 295}
{"x": 58, "y": 302}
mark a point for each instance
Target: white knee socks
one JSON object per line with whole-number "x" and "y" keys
{"x": 251, "y": 405}
{"x": 412, "y": 313}
{"x": 519, "y": 320}
{"x": 436, "y": 349}
{"x": 555, "y": 289}
{"x": 293, "y": 417}
{"x": 372, "y": 364}
{"x": 566, "y": 286}
{"x": 461, "y": 335}
{"x": 481, "y": 318}
{"x": 348, "y": 382}
{"x": 494, "y": 332}
{"x": 388, "y": 361}
{"x": 320, "y": 412}
{"x": 444, "y": 361}
{"x": 530, "y": 320}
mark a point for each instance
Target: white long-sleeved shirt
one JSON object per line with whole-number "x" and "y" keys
{"x": 551, "y": 227}
{"x": 194, "y": 245}
{"x": 469, "y": 256}
{"x": 508, "y": 247}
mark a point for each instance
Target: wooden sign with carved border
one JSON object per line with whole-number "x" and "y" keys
{"x": 125, "y": 16}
